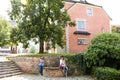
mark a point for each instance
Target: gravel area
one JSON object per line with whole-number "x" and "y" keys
{"x": 38, "y": 77}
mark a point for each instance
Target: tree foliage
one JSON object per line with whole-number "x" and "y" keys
{"x": 41, "y": 20}
{"x": 116, "y": 29}
{"x": 104, "y": 50}
{"x": 5, "y": 28}
{"x": 18, "y": 36}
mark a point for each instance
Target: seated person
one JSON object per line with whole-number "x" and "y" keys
{"x": 62, "y": 64}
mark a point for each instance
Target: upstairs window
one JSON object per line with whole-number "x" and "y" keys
{"x": 89, "y": 11}
{"x": 102, "y": 30}
{"x": 80, "y": 24}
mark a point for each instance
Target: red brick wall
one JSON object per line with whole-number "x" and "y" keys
{"x": 94, "y": 24}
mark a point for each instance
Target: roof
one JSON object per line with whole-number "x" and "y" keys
{"x": 83, "y": 2}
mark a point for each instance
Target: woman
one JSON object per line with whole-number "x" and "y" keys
{"x": 63, "y": 65}
{"x": 62, "y": 62}
{"x": 41, "y": 65}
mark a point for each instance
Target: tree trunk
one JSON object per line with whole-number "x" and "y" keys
{"x": 41, "y": 47}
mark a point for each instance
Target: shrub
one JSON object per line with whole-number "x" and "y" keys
{"x": 106, "y": 73}
{"x": 103, "y": 48}
{"x": 74, "y": 64}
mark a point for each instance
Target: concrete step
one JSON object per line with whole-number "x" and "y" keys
{"x": 3, "y": 67}
{"x": 8, "y": 68}
{"x": 12, "y": 74}
{"x": 7, "y": 65}
{"x": 9, "y": 72}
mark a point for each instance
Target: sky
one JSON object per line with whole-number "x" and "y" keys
{"x": 110, "y": 6}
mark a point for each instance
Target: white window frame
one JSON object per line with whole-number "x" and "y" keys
{"x": 102, "y": 29}
{"x": 82, "y": 43}
{"x": 84, "y": 24}
{"x": 89, "y": 11}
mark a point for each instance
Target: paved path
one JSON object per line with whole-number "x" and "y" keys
{"x": 38, "y": 77}
{"x": 4, "y": 55}
{"x": 3, "y": 58}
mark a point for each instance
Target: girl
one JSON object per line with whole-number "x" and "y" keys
{"x": 41, "y": 65}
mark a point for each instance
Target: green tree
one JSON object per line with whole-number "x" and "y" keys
{"x": 41, "y": 20}
{"x": 104, "y": 50}
{"x": 5, "y": 28}
{"x": 116, "y": 28}
{"x": 18, "y": 36}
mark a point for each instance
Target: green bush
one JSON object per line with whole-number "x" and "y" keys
{"x": 106, "y": 73}
{"x": 73, "y": 62}
{"x": 77, "y": 62}
{"x": 103, "y": 49}
{"x": 80, "y": 61}
{"x": 45, "y": 54}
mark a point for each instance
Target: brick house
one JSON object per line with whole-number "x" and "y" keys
{"x": 90, "y": 20}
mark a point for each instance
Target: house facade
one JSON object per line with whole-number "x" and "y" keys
{"x": 90, "y": 20}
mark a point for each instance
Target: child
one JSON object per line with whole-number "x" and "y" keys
{"x": 41, "y": 65}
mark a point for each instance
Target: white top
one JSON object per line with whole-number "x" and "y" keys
{"x": 62, "y": 62}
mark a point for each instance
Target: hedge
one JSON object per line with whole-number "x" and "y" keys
{"x": 106, "y": 73}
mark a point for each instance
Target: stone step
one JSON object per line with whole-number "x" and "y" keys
{"x": 9, "y": 72}
{"x": 12, "y": 74}
{"x": 6, "y": 63}
{"x": 1, "y": 67}
{"x": 8, "y": 69}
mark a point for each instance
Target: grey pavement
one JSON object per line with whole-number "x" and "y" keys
{"x": 38, "y": 77}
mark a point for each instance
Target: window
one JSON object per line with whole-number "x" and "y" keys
{"x": 81, "y": 24}
{"x": 81, "y": 41}
{"x": 102, "y": 30}
{"x": 89, "y": 12}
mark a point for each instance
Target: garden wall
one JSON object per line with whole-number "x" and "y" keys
{"x": 30, "y": 64}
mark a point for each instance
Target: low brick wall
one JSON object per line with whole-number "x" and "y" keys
{"x": 30, "y": 64}
{"x": 53, "y": 72}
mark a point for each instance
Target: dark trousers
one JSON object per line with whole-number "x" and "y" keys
{"x": 65, "y": 68}
{"x": 41, "y": 70}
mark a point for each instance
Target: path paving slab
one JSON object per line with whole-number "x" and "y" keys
{"x": 38, "y": 77}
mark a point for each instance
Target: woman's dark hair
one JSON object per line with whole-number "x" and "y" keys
{"x": 62, "y": 57}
